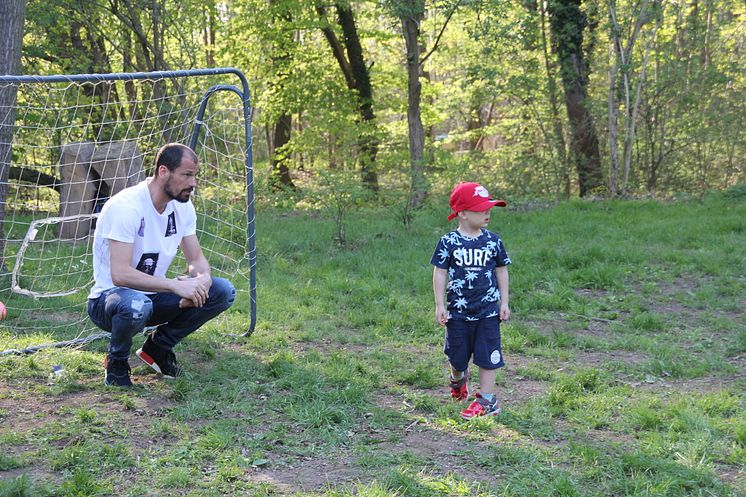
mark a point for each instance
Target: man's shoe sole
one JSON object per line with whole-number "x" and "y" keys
{"x": 150, "y": 362}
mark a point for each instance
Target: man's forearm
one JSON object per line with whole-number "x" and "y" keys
{"x": 137, "y": 280}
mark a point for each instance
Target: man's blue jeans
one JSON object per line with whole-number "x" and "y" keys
{"x": 125, "y": 313}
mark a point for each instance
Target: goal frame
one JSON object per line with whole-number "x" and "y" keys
{"x": 241, "y": 90}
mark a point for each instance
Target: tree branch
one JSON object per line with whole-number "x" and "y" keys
{"x": 336, "y": 46}
{"x": 442, "y": 30}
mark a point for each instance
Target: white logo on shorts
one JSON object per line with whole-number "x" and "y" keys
{"x": 495, "y": 357}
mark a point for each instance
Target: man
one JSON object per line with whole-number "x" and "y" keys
{"x": 137, "y": 235}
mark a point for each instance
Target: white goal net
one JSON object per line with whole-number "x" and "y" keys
{"x": 68, "y": 143}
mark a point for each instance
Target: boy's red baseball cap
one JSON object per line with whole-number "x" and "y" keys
{"x": 471, "y": 197}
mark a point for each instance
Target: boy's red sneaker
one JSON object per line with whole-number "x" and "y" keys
{"x": 459, "y": 390}
{"x": 481, "y": 407}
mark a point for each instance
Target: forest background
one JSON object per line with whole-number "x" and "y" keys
{"x": 535, "y": 99}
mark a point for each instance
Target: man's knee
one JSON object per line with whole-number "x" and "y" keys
{"x": 223, "y": 292}
{"x": 131, "y": 306}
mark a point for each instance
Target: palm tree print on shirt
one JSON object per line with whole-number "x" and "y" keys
{"x": 456, "y": 286}
{"x": 492, "y": 295}
{"x": 443, "y": 254}
{"x": 453, "y": 238}
{"x": 460, "y": 304}
{"x": 491, "y": 248}
{"x": 471, "y": 276}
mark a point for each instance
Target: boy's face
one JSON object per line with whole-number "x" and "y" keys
{"x": 474, "y": 219}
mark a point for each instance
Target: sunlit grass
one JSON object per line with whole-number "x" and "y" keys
{"x": 619, "y": 309}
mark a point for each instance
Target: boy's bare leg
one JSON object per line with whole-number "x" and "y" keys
{"x": 456, "y": 374}
{"x": 487, "y": 381}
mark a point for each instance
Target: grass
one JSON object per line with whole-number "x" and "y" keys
{"x": 624, "y": 371}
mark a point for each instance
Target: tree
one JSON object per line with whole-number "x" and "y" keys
{"x": 567, "y": 24}
{"x": 622, "y": 63}
{"x": 411, "y": 14}
{"x": 281, "y": 55}
{"x": 357, "y": 76}
{"x": 559, "y": 133}
{"x": 12, "y": 15}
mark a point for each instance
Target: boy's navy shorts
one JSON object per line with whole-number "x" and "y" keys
{"x": 478, "y": 338}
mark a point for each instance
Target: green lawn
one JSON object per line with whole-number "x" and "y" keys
{"x": 625, "y": 376}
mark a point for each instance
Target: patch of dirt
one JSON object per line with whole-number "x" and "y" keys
{"x": 602, "y": 359}
{"x": 696, "y": 386}
{"x": 439, "y": 451}
{"x": 25, "y": 412}
{"x": 309, "y": 474}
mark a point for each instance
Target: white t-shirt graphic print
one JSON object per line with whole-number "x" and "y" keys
{"x": 130, "y": 217}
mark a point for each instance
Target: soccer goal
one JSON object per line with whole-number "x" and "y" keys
{"x": 69, "y": 142}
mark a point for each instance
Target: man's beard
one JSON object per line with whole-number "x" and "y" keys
{"x": 182, "y": 197}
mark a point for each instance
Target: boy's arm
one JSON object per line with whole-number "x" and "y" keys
{"x": 440, "y": 277}
{"x": 503, "y": 284}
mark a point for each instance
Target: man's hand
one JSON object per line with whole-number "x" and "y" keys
{"x": 193, "y": 290}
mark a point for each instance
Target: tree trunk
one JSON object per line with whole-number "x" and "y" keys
{"x": 566, "y": 25}
{"x": 361, "y": 77}
{"x": 130, "y": 89}
{"x": 357, "y": 76}
{"x": 411, "y": 30}
{"x": 281, "y": 137}
{"x": 630, "y": 137}
{"x": 12, "y": 15}
{"x": 209, "y": 14}
{"x": 283, "y": 125}
{"x": 559, "y": 133}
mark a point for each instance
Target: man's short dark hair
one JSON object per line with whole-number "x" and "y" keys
{"x": 171, "y": 155}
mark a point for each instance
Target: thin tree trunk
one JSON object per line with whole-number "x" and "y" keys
{"x": 357, "y": 76}
{"x": 613, "y": 110}
{"x": 630, "y": 137}
{"x": 559, "y": 134}
{"x": 209, "y": 32}
{"x": 12, "y": 15}
{"x": 411, "y": 30}
{"x": 130, "y": 89}
{"x": 708, "y": 36}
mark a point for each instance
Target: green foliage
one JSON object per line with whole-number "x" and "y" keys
{"x": 338, "y": 194}
{"x": 491, "y": 102}
{"x": 8, "y": 462}
{"x": 22, "y": 486}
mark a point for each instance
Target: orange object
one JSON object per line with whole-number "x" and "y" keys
{"x": 3, "y": 311}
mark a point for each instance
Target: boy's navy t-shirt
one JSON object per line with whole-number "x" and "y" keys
{"x": 472, "y": 287}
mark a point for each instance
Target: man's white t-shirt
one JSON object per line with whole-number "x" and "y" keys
{"x": 130, "y": 217}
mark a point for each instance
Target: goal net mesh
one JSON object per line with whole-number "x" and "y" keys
{"x": 76, "y": 143}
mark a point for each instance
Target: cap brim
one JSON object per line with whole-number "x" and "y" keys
{"x": 487, "y": 205}
{"x": 480, "y": 207}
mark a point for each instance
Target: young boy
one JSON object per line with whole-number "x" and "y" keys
{"x": 473, "y": 261}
